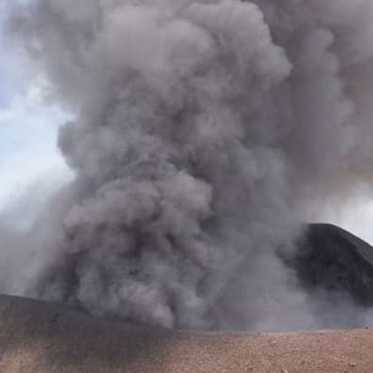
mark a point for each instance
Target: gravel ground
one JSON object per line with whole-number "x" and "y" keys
{"x": 40, "y": 338}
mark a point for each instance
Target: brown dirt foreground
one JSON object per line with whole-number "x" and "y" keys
{"x": 41, "y": 338}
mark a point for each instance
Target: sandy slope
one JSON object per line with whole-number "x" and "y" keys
{"x": 41, "y": 338}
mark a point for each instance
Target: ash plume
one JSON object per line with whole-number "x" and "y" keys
{"x": 204, "y": 130}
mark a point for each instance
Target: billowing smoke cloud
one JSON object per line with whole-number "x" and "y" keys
{"x": 204, "y": 131}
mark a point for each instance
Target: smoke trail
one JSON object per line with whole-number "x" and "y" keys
{"x": 204, "y": 130}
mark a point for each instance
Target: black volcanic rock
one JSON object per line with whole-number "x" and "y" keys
{"x": 333, "y": 260}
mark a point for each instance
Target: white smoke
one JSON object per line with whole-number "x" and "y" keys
{"x": 204, "y": 131}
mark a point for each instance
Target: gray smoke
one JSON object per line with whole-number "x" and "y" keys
{"x": 204, "y": 131}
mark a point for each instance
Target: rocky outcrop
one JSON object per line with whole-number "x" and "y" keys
{"x": 331, "y": 259}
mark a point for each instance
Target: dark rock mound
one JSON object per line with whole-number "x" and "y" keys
{"x": 334, "y": 260}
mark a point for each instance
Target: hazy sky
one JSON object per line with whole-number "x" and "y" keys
{"x": 28, "y": 129}
{"x": 30, "y": 162}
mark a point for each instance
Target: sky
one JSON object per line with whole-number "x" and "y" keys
{"x": 31, "y": 167}
{"x": 28, "y": 131}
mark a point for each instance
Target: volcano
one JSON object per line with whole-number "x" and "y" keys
{"x": 46, "y": 337}
{"x": 332, "y": 260}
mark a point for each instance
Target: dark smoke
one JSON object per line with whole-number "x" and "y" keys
{"x": 204, "y": 131}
